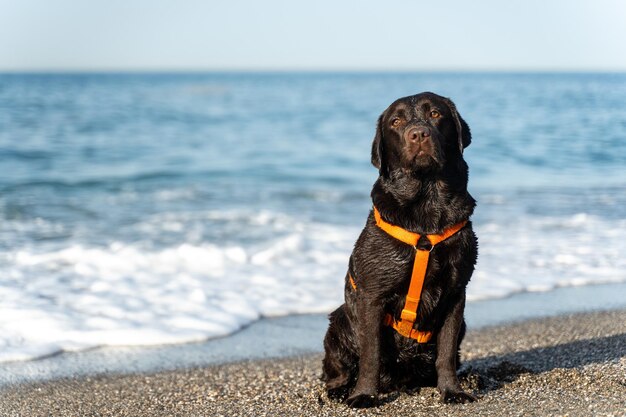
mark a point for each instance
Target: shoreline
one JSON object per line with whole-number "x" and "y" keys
{"x": 290, "y": 336}
{"x": 565, "y": 365}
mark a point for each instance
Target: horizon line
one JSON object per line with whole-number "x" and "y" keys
{"x": 268, "y": 70}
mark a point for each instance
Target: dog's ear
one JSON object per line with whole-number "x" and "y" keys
{"x": 378, "y": 147}
{"x": 462, "y": 129}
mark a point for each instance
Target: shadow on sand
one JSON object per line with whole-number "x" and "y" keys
{"x": 492, "y": 372}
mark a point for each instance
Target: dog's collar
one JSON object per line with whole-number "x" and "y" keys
{"x": 405, "y": 324}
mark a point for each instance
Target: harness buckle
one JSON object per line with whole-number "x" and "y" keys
{"x": 405, "y": 328}
{"x": 408, "y": 315}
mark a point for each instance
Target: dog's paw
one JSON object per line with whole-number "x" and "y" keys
{"x": 337, "y": 394}
{"x": 357, "y": 400}
{"x": 456, "y": 396}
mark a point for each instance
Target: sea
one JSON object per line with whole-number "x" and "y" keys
{"x": 155, "y": 208}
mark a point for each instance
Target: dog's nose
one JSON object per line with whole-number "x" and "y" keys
{"x": 418, "y": 133}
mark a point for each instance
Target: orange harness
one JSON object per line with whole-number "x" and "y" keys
{"x": 404, "y": 326}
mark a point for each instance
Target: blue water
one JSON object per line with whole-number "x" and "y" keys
{"x": 163, "y": 208}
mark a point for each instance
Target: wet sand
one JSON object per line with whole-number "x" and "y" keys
{"x": 571, "y": 365}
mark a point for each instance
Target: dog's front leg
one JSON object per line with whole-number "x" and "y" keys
{"x": 447, "y": 346}
{"x": 370, "y": 317}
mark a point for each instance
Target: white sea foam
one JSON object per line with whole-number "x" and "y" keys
{"x": 82, "y": 296}
{"x": 541, "y": 253}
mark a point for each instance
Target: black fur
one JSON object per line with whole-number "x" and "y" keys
{"x": 422, "y": 187}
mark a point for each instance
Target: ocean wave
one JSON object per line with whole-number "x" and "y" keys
{"x": 82, "y": 296}
{"x": 125, "y": 294}
{"x": 539, "y": 253}
{"x": 85, "y": 182}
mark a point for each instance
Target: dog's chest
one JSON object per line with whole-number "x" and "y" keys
{"x": 433, "y": 281}
{"x": 387, "y": 273}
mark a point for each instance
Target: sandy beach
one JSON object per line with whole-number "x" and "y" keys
{"x": 571, "y": 365}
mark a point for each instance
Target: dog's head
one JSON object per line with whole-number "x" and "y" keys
{"x": 418, "y": 134}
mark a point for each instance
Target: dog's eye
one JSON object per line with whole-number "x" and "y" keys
{"x": 395, "y": 122}
{"x": 435, "y": 114}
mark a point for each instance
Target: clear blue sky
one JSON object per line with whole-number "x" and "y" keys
{"x": 96, "y": 35}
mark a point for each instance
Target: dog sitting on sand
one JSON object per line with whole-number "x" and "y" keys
{"x": 402, "y": 322}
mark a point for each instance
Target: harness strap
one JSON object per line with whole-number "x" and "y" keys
{"x": 408, "y": 316}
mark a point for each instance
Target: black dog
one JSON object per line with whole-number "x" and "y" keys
{"x": 422, "y": 188}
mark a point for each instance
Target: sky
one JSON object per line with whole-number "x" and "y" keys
{"x": 367, "y": 35}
